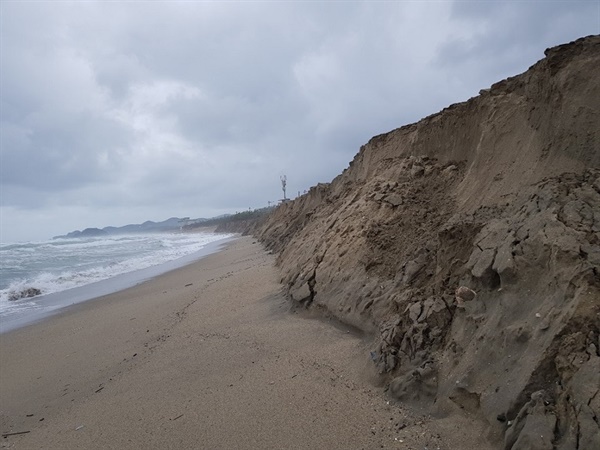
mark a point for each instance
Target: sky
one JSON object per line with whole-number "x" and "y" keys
{"x": 121, "y": 112}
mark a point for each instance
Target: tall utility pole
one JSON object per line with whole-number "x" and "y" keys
{"x": 283, "y": 179}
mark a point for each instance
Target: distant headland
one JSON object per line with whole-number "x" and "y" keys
{"x": 169, "y": 225}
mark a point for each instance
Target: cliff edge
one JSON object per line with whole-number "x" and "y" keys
{"x": 468, "y": 244}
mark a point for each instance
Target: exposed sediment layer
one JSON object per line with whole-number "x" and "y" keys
{"x": 501, "y": 195}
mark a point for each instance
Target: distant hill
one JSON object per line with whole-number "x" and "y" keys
{"x": 172, "y": 224}
{"x": 88, "y": 232}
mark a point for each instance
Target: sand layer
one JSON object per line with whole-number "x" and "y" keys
{"x": 206, "y": 356}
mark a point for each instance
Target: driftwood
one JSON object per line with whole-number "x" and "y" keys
{"x": 5, "y": 435}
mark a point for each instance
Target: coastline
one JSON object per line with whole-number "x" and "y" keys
{"x": 54, "y": 303}
{"x": 204, "y": 356}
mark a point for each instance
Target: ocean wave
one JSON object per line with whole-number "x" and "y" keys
{"x": 86, "y": 263}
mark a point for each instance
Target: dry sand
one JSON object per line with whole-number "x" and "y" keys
{"x": 207, "y": 356}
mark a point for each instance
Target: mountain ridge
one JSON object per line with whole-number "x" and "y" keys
{"x": 171, "y": 224}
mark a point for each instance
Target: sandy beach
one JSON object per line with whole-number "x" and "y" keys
{"x": 206, "y": 356}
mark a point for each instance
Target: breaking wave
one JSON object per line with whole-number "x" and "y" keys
{"x": 54, "y": 266}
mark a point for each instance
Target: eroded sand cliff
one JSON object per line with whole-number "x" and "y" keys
{"x": 499, "y": 194}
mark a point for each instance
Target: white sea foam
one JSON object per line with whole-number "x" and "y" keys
{"x": 55, "y": 266}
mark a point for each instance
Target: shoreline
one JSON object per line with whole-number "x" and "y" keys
{"x": 205, "y": 356}
{"x": 48, "y": 305}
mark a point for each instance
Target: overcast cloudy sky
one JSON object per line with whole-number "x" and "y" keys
{"x": 121, "y": 112}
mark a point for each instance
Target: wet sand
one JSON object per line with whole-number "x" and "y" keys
{"x": 206, "y": 356}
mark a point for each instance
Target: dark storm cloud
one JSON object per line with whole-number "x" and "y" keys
{"x": 126, "y": 111}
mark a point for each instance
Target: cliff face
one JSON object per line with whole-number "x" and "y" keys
{"x": 239, "y": 226}
{"x": 501, "y": 195}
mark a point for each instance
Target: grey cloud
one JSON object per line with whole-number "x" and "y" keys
{"x": 507, "y": 37}
{"x": 144, "y": 110}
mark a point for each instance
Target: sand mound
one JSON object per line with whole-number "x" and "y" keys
{"x": 499, "y": 195}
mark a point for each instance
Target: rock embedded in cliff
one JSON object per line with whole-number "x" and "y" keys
{"x": 301, "y": 292}
{"x": 464, "y": 294}
{"x": 414, "y": 311}
{"x": 504, "y": 263}
{"x": 481, "y": 261}
{"x": 417, "y": 171}
{"x": 414, "y": 267}
{"x": 450, "y": 170}
{"x": 436, "y": 313}
{"x": 394, "y": 199}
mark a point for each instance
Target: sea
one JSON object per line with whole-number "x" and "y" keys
{"x": 66, "y": 271}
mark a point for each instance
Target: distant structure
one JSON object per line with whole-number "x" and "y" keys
{"x": 283, "y": 179}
